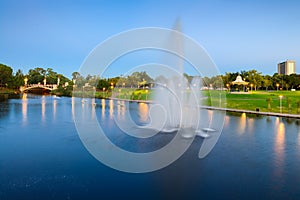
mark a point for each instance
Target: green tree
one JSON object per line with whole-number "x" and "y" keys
{"x": 51, "y": 76}
{"x": 103, "y": 83}
{"x": 266, "y": 81}
{"x": 254, "y": 77}
{"x": 294, "y": 80}
{"x": 18, "y": 79}
{"x": 6, "y": 75}
{"x": 75, "y": 75}
{"x": 36, "y": 75}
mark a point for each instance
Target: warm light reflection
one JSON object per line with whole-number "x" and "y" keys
{"x": 54, "y": 108}
{"x": 73, "y": 107}
{"x": 43, "y": 107}
{"x": 279, "y": 149}
{"x": 82, "y": 103}
{"x": 210, "y": 114}
{"x": 226, "y": 121}
{"x": 121, "y": 109}
{"x": 242, "y": 123}
{"x": 24, "y": 107}
{"x": 93, "y": 108}
{"x": 103, "y": 108}
{"x": 250, "y": 125}
{"x": 111, "y": 108}
{"x": 143, "y": 111}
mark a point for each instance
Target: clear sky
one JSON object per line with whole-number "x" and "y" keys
{"x": 238, "y": 35}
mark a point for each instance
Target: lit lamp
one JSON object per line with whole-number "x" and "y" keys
{"x": 227, "y": 85}
{"x": 103, "y": 90}
{"x": 25, "y": 81}
{"x": 280, "y": 103}
{"x": 112, "y": 85}
{"x": 277, "y": 85}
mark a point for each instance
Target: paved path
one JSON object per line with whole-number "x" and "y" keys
{"x": 131, "y": 100}
{"x": 252, "y": 112}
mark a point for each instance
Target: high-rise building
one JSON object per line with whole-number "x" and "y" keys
{"x": 288, "y": 67}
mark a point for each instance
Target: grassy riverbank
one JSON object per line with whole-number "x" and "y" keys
{"x": 265, "y": 101}
{"x": 6, "y": 93}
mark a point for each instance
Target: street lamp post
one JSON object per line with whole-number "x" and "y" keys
{"x": 227, "y": 85}
{"x": 120, "y": 93}
{"x": 146, "y": 95}
{"x": 277, "y": 85}
{"x": 280, "y": 102}
{"x": 103, "y": 90}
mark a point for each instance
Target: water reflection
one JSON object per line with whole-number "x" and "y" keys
{"x": 279, "y": 150}
{"x": 24, "y": 108}
{"x": 250, "y": 125}
{"x": 93, "y": 108}
{"x": 226, "y": 121}
{"x": 121, "y": 109}
{"x": 103, "y": 108}
{"x": 73, "y": 108}
{"x": 111, "y": 108}
{"x": 54, "y": 109}
{"x": 242, "y": 123}
{"x": 210, "y": 114}
{"x": 143, "y": 111}
{"x": 43, "y": 107}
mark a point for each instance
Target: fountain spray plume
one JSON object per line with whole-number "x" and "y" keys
{"x": 177, "y": 97}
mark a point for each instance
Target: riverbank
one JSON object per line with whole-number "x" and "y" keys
{"x": 266, "y": 101}
{"x": 255, "y": 112}
{"x": 8, "y": 94}
{"x": 282, "y": 103}
{"x": 252, "y": 112}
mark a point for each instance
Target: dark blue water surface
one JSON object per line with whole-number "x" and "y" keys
{"x": 42, "y": 157}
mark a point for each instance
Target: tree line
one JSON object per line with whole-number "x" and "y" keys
{"x": 256, "y": 79}
{"x": 14, "y": 80}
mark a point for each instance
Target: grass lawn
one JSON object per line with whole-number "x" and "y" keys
{"x": 249, "y": 101}
{"x": 126, "y": 93}
{"x": 258, "y": 99}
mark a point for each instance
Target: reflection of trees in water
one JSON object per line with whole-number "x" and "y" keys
{"x": 4, "y": 109}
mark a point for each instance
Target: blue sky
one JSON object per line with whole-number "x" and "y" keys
{"x": 238, "y": 35}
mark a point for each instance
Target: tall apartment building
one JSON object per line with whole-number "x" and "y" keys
{"x": 288, "y": 67}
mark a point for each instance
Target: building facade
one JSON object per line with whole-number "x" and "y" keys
{"x": 286, "y": 68}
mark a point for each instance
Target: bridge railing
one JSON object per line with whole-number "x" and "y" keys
{"x": 41, "y": 85}
{"x": 49, "y": 86}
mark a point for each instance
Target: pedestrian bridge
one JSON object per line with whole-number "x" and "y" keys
{"x": 38, "y": 87}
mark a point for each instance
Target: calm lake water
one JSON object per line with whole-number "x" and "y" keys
{"x": 42, "y": 157}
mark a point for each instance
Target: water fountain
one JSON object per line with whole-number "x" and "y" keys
{"x": 177, "y": 98}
